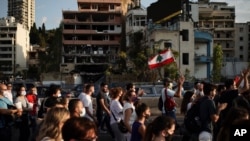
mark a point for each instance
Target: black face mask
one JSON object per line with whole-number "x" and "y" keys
{"x": 147, "y": 116}
{"x": 169, "y": 137}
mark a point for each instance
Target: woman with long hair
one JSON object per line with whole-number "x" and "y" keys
{"x": 79, "y": 128}
{"x": 116, "y": 112}
{"x": 129, "y": 114}
{"x": 23, "y": 121}
{"x": 50, "y": 129}
{"x": 160, "y": 129}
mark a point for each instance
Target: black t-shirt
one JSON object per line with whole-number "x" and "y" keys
{"x": 98, "y": 104}
{"x": 207, "y": 108}
{"x": 227, "y": 97}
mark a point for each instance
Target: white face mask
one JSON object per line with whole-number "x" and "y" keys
{"x": 59, "y": 95}
{"x": 82, "y": 114}
{"x": 5, "y": 93}
{"x": 23, "y": 93}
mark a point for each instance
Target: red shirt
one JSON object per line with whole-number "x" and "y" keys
{"x": 32, "y": 98}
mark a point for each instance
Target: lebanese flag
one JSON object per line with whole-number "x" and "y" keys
{"x": 163, "y": 58}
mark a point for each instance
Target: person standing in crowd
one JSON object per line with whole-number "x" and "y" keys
{"x": 208, "y": 112}
{"x": 129, "y": 114}
{"x": 139, "y": 127}
{"x": 52, "y": 124}
{"x": 5, "y": 127}
{"x": 79, "y": 129}
{"x": 87, "y": 102}
{"x": 8, "y": 93}
{"x": 234, "y": 115}
{"x": 116, "y": 110}
{"x": 52, "y": 94}
{"x": 76, "y": 108}
{"x": 24, "y": 122}
{"x": 199, "y": 89}
{"x": 33, "y": 100}
{"x": 169, "y": 92}
{"x": 102, "y": 105}
{"x": 131, "y": 86}
{"x": 187, "y": 101}
{"x": 160, "y": 129}
{"x": 103, "y": 112}
{"x": 232, "y": 92}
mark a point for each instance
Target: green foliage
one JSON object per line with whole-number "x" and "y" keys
{"x": 34, "y": 35}
{"x": 217, "y": 63}
{"x": 50, "y": 59}
{"x": 171, "y": 71}
{"x": 138, "y": 54}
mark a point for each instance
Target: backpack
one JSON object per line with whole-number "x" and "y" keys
{"x": 192, "y": 119}
{"x": 169, "y": 103}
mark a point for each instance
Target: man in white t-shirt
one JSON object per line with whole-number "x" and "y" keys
{"x": 171, "y": 93}
{"x": 87, "y": 101}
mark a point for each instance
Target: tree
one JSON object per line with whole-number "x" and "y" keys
{"x": 217, "y": 63}
{"x": 34, "y": 35}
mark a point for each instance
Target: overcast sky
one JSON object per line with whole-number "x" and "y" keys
{"x": 50, "y": 11}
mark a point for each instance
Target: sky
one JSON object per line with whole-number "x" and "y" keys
{"x": 50, "y": 11}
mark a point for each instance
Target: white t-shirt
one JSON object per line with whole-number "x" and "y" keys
{"x": 133, "y": 116}
{"x": 169, "y": 93}
{"x": 87, "y": 102}
{"x": 9, "y": 95}
{"x": 117, "y": 109}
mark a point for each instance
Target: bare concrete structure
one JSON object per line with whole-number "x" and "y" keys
{"x": 92, "y": 37}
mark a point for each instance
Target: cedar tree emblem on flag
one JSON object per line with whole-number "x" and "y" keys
{"x": 163, "y": 58}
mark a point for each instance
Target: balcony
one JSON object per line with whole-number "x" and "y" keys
{"x": 203, "y": 36}
{"x": 223, "y": 39}
{"x": 203, "y": 59}
{"x": 90, "y": 42}
{"x": 228, "y": 49}
{"x": 99, "y": 1}
{"x": 78, "y": 31}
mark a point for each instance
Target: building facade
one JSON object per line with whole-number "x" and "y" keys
{"x": 23, "y": 11}
{"x": 91, "y": 37}
{"x": 14, "y": 44}
{"x": 242, "y": 41}
{"x": 136, "y": 20}
{"x": 219, "y": 18}
{"x": 180, "y": 42}
{"x": 203, "y": 55}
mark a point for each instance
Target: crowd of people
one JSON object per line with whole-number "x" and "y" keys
{"x": 59, "y": 118}
{"x": 222, "y": 108}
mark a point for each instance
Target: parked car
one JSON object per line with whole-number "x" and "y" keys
{"x": 150, "y": 90}
{"x": 188, "y": 85}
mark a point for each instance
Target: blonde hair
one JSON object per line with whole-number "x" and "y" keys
{"x": 50, "y": 125}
